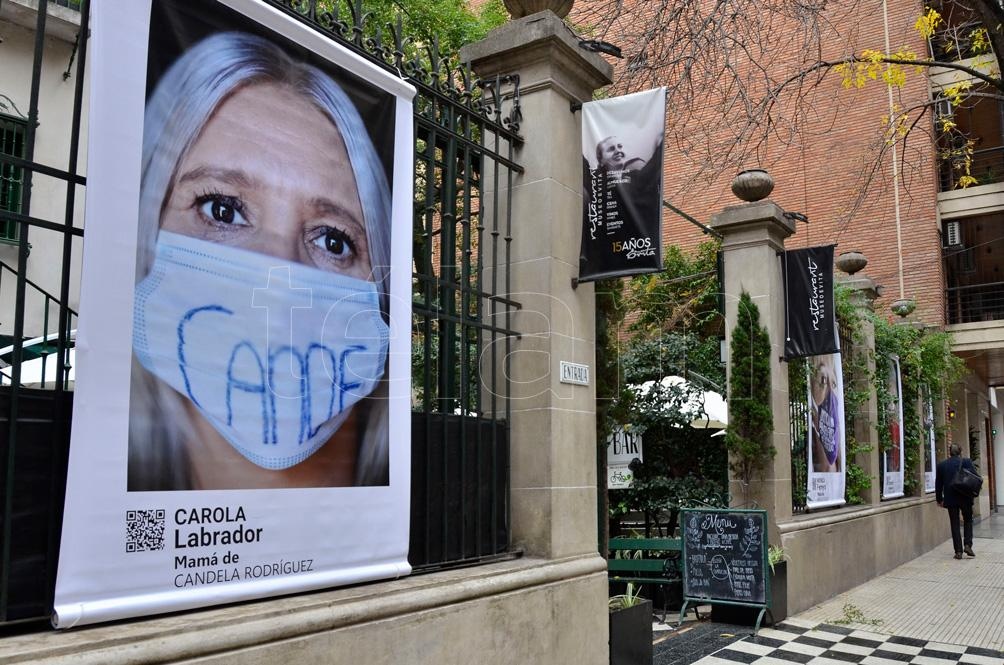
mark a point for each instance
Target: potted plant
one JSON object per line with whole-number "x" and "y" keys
{"x": 630, "y": 628}
{"x": 778, "y": 562}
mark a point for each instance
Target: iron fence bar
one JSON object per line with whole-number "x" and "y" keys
{"x": 25, "y": 220}
{"x": 447, "y": 329}
{"x": 29, "y": 152}
{"x": 508, "y": 350}
{"x": 438, "y": 315}
{"x": 467, "y": 143}
{"x": 53, "y": 172}
{"x": 465, "y": 250}
{"x": 478, "y": 321}
{"x": 429, "y": 216}
{"x": 494, "y": 355}
{"x": 442, "y": 283}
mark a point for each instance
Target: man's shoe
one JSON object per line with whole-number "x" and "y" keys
{"x": 958, "y": 555}
{"x": 969, "y": 552}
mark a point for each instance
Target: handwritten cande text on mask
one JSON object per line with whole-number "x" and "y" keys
{"x": 251, "y": 371}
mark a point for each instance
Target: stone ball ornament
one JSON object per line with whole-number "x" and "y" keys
{"x": 752, "y": 185}
{"x": 521, "y": 8}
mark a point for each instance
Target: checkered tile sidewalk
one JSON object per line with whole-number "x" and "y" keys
{"x": 837, "y": 645}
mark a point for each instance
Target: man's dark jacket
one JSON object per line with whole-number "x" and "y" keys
{"x": 945, "y": 474}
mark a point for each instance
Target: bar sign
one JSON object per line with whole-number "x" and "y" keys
{"x": 574, "y": 373}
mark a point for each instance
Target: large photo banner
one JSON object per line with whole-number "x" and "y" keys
{"x": 930, "y": 453}
{"x": 622, "y": 145}
{"x": 240, "y": 426}
{"x": 809, "y": 319}
{"x": 827, "y": 474}
{"x": 892, "y": 459}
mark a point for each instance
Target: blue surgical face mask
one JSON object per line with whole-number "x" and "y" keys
{"x": 273, "y": 354}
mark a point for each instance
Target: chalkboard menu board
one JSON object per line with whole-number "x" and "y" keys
{"x": 725, "y": 556}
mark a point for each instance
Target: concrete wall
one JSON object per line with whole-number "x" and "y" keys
{"x": 836, "y": 551}
{"x": 513, "y": 613}
{"x": 52, "y": 141}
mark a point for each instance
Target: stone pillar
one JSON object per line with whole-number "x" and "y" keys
{"x": 864, "y": 291}
{"x": 553, "y": 424}
{"x": 753, "y": 234}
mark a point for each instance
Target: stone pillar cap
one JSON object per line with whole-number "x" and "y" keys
{"x": 540, "y": 37}
{"x": 862, "y": 283}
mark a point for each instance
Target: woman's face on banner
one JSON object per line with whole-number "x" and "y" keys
{"x": 270, "y": 173}
{"x": 823, "y": 381}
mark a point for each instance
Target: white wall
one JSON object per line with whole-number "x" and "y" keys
{"x": 48, "y": 198}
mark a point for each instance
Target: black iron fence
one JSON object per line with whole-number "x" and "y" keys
{"x": 798, "y": 428}
{"x": 466, "y": 137}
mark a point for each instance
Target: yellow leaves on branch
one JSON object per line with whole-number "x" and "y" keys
{"x": 928, "y": 22}
{"x": 874, "y": 65}
{"x": 956, "y": 92}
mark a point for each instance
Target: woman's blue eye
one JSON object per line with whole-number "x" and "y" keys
{"x": 222, "y": 209}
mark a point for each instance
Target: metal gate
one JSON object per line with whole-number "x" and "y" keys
{"x": 466, "y": 136}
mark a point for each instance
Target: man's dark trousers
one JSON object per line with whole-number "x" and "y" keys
{"x": 958, "y": 539}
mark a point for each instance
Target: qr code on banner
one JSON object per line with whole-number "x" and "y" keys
{"x": 144, "y": 530}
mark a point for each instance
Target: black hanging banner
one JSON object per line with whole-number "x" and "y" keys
{"x": 622, "y": 141}
{"x": 810, "y": 326}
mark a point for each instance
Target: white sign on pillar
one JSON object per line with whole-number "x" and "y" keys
{"x": 623, "y": 447}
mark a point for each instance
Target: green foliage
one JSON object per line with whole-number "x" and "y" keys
{"x": 451, "y": 23}
{"x": 684, "y": 354}
{"x": 857, "y": 388}
{"x": 748, "y": 437}
{"x": 775, "y": 555}
{"x": 682, "y": 298}
{"x": 631, "y": 597}
{"x": 926, "y": 359}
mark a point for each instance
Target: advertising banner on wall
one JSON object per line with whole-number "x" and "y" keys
{"x": 241, "y": 422}
{"x": 810, "y": 323}
{"x": 622, "y": 144}
{"x": 827, "y": 438}
{"x": 929, "y": 454}
{"x": 892, "y": 458}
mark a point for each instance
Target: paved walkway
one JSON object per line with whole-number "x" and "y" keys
{"x": 934, "y": 610}
{"x": 933, "y": 597}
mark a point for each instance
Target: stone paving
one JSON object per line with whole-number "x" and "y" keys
{"x": 956, "y": 605}
{"x": 933, "y": 597}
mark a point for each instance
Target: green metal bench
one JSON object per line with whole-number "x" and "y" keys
{"x": 659, "y": 563}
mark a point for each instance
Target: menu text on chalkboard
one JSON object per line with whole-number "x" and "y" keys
{"x": 725, "y": 556}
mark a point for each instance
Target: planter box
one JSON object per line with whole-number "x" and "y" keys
{"x": 746, "y": 616}
{"x": 631, "y": 635}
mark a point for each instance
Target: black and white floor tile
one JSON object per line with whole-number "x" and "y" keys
{"x": 827, "y": 644}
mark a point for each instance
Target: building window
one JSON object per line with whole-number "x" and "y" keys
{"x": 12, "y": 135}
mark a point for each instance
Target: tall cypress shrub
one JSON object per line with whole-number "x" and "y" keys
{"x": 748, "y": 437}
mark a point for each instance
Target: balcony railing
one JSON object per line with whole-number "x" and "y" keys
{"x": 980, "y": 302}
{"x": 986, "y": 166}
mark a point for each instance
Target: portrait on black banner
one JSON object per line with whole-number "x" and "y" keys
{"x": 622, "y": 147}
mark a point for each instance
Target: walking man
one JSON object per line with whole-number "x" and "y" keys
{"x": 955, "y": 502}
